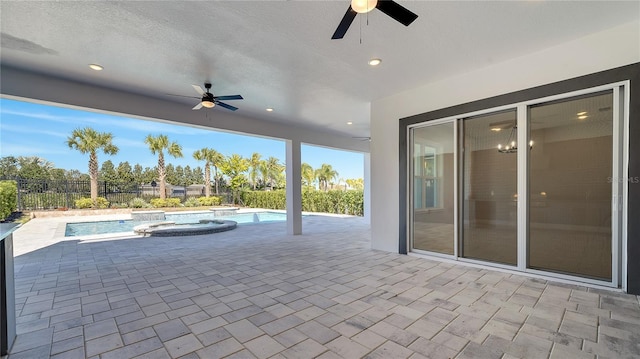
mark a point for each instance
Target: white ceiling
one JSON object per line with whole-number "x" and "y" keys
{"x": 280, "y": 54}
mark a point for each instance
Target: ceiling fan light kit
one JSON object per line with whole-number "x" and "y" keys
{"x": 207, "y": 99}
{"x": 363, "y": 6}
{"x": 389, "y": 7}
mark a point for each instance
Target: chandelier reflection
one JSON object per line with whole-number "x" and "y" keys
{"x": 512, "y": 144}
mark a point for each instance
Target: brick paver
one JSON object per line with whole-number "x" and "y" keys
{"x": 256, "y": 292}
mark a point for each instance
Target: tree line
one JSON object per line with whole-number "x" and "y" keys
{"x": 232, "y": 172}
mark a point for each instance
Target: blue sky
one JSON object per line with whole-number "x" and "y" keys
{"x": 29, "y": 129}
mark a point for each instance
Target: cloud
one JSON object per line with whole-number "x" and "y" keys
{"x": 125, "y": 142}
{"x": 30, "y": 130}
{"x": 11, "y": 149}
{"x": 40, "y": 116}
{"x": 85, "y": 118}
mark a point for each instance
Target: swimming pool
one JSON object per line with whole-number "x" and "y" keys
{"x": 119, "y": 226}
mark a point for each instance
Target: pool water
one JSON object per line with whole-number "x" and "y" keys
{"x": 119, "y": 226}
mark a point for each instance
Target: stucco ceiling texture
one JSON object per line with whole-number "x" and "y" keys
{"x": 279, "y": 54}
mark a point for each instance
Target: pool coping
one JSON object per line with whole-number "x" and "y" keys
{"x": 190, "y": 229}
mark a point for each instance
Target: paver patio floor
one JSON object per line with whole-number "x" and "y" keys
{"x": 256, "y": 292}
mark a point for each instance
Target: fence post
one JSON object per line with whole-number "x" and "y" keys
{"x": 19, "y": 196}
{"x": 66, "y": 194}
{"x": 105, "y": 189}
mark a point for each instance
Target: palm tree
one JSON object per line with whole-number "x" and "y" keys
{"x": 157, "y": 145}
{"x": 264, "y": 172}
{"x": 254, "y": 163}
{"x": 216, "y": 161}
{"x": 234, "y": 166}
{"x": 308, "y": 176}
{"x": 273, "y": 170}
{"x": 208, "y": 156}
{"x": 356, "y": 183}
{"x": 325, "y": 174}
{"x": 88, "y": 140}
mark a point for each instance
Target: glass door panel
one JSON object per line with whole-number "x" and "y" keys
{"x": 570, "y": 186}
{"x": 489, "y": 188}
{"x": 433, "y": 188}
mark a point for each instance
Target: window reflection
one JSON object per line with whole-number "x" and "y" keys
{"x": 433, "y": 188}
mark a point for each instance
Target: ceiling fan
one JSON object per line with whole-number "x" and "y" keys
{"x": 389, "y": 7}
{"x": 210, "y": 101}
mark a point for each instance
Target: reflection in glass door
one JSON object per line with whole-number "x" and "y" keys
{"x": 490, "y": 183}
{"x": 570, "y": 186}
{"x": 433, "y": 181}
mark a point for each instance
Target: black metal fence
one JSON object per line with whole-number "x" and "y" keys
{"x": 51, "y": 194}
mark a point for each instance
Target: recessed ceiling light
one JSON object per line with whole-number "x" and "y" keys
{"x": 349, "y": 123}
{"x": 96, "y": 67}
{"x": 269, "y": 109}
{"x": 375, "y": 62}
{"x": 581, "y": 113}
{"x": 582, "y": 117}
{"x": 496, "y": 129}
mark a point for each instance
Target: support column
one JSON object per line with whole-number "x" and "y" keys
{"x": 294, "y": 188}
{"x": 367, "y": 188}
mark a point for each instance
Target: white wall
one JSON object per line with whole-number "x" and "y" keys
{"x": 608, "y": 49}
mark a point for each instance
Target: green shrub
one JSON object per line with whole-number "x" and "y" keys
{"x": 209, "y": 201}
{"x": 167, "y": 202}
{"x": 8, "y": 198}
{"x": 47, "y": 200}
{"x": 191, "y": 202}
{"x": 340, "y": 202}
{"x": 139, "y": 203}
{"x": 101, "y": 202}
{"x": 264, "y": 199}
{"x": 84, "y": 203}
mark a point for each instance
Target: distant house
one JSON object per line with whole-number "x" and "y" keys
{"x": 194, "y": 190}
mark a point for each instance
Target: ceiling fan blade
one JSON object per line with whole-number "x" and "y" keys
{"x": 170, "y": 94}
{"x": 230, "y": 97}
{"x": 398, "y": 12}
{"x": 199, "y": 90}
{"x": 198, "y": 106}
{"x": 228, "y": 107}
{"x": 362, "y": 138}
{"x": 347, "y": 19}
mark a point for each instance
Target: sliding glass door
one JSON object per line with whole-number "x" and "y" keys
{"x": 534, "y": 186}
{"x": 433, "y": 188}
{"x": 570, "y": 186}
{"x": 489, "y": 178}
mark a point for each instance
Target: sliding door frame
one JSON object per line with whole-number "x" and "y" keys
{"x": 410, "y": 183}
{"x": 618, "y": 179}
{"x": 619, "y": 176}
